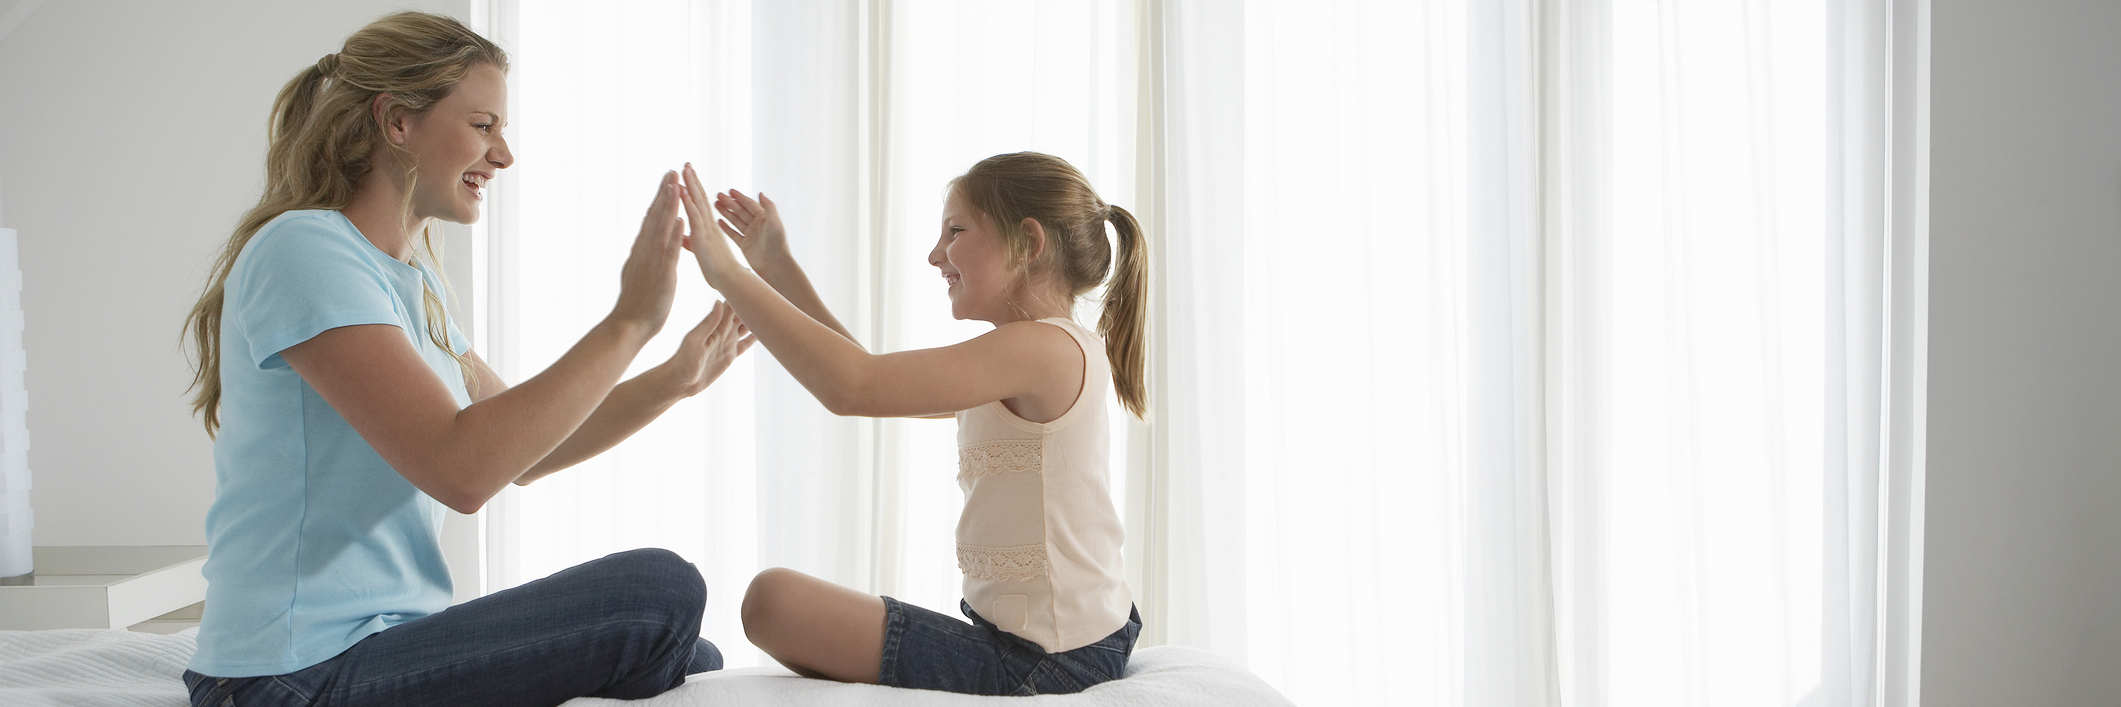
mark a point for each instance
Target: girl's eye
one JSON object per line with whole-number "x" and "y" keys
{"x": 488, "y": 127}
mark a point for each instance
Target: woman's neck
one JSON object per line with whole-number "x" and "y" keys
{"x": 378, "y": 210}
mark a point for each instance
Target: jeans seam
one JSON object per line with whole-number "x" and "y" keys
{"x": 1082, "y": 666}
{"x": 444, "y": 666}
{"x": 894, "y": 629}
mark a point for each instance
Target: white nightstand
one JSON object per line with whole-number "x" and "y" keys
{"x": 104, "y": 587}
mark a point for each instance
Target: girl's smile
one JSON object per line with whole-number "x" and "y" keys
{"x": 974, "y": 264}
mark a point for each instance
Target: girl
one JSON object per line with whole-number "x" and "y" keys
{"x": 350, "y": 411}
{"x": 1023, "y": 236}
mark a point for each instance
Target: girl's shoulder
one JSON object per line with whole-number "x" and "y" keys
{"x": 1057, "y": 333}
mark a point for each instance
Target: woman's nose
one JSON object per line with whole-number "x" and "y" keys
{"x": 499, "y": 155}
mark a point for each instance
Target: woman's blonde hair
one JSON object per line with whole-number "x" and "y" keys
{"x": 1029, "y": 185}
{"x": 321, "y": 134}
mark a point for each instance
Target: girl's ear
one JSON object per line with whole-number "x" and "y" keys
{"x": 390, "y": 117}
{"x": 1036, "y": 234}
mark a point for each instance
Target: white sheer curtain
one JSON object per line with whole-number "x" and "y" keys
{"x": 598, "y": 116}
{"x": 1350, "y": 415}
{"x": 1505, "y": 352}
{"x": 1717, "y": 467}
{"x": 1642, "y": 469}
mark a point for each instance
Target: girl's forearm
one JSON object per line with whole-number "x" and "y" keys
{"x": 823, "y": 358}
{"x": 786, "y": 277}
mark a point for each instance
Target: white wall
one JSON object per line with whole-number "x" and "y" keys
{"x": 2022, "y": 588}
{"x": 132, "y": 134}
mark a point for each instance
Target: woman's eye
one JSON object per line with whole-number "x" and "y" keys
{"x": 488, "y": 127}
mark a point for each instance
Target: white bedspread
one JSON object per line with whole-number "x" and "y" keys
{"x": 94, "y": 667}
{"x": 1162, "y": 676}
{"x": 99, "y": 667}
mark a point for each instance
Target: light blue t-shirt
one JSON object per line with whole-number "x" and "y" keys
{"x": 315, "y": 542}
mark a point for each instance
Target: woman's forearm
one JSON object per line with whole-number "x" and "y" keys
{"x": 495, "y": 441}
{"x": 630, "y": 406}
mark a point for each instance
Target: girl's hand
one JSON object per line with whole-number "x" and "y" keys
{"x": 755, "y": 225}
{"x": 648, "y": 282}
{"x": 707, "y": 351}
{"x": 716, "y": 260}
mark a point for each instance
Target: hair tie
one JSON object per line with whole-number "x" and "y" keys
{"x": 328, "y": 65}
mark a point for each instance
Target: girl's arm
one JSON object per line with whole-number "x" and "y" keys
{"x": 461, "y": 457}
{"x": 1039, "y": 365}
{"x": 759, "y": 234}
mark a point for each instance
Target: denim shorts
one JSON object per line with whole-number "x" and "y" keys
{"x": 931, "y": 651}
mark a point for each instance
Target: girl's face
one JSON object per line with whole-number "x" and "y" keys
{"x": 974, "y": 265}
{"x": 459, "y": 147}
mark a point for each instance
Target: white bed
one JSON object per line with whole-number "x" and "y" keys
{"x": 98, "y": 667}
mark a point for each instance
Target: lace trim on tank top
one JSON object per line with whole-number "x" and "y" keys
{"x": 997, "y": 457}
{"x": 1002, "y": 564}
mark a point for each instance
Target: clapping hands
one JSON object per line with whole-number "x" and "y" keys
{"x": 717, "y": 262}
{"x": 707, "y": 351}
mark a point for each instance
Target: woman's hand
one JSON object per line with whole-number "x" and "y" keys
{"x": 706, "y": 352}
{"x": 648, "y": 282}
{"x": 717, "y": 261}
{"x": 755, "y": 225}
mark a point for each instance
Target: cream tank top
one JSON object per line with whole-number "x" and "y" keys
{"x": 1039, "y": 541}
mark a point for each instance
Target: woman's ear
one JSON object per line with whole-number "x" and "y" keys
{"x": 389, "y": 116}
{"x": 1036, "y": 234}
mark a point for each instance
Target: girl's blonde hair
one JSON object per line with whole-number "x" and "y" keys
{"x": 1029, "y": 185}
{"x": 321, "y": 133}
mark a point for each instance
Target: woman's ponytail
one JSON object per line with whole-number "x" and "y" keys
{"x": 319, "y": 139}
{"x": 1125, "y": 321}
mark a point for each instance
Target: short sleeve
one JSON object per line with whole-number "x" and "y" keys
{"x": 300, "y": 276}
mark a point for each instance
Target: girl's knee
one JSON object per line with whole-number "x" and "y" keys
{"x": 765, "y": 598}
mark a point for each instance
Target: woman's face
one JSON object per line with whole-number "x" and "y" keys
{"x": 459, "y": 147}
{"x": 974, "y": 265}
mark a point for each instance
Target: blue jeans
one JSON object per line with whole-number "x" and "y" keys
{"x": 626, "y": 626}
{"x": 931, "y": 651}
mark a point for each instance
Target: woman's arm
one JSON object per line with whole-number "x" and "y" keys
{"x": 374, "y": 378}
{"x": 1037, "y": 364}
{"x": 701, "y": 358}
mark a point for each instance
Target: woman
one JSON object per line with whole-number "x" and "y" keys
{"x": 350, "y": 411}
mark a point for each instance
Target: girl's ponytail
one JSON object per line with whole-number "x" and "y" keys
{"x": 1027, "y": 185}
{"x": 1125, "y": 322}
